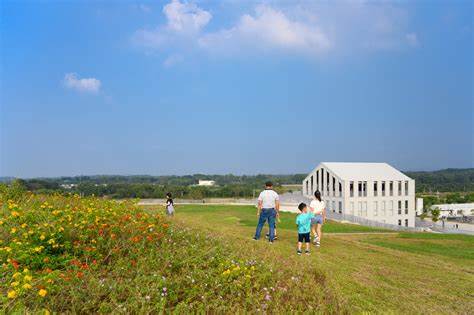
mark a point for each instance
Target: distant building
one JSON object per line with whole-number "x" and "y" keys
{"x": 68, "y": 186}
{"x": 455, "y": 210}
{"x": 374, "y": 191}
{"x": 206, "y": 183}
{"x": 419, "y": 206}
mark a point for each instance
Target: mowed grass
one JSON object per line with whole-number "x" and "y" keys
{"x": 246, "y": 216}
{"x": 357, "y": 269}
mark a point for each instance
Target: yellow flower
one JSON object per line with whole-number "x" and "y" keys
{"x": 28, "y": 278}
{"x": 24, "y": 225}
{"x": 11, "y": 294}
{"x": 13, "y": 231}
{"x": 15, "y": 214}
{"x": 27, "y": 286}
{"x": 16, "y": 275}
{"x": 42, "y": 292}
{"x": 26, "y": 270}
{"x": 1, "y": 222}
{"x": 42, "y": 237}
{"x": 15, "y": 284}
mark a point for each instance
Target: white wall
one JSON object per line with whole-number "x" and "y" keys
{"x": 364, "y": 206}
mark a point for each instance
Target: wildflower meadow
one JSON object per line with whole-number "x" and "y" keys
{"x": 73, "y": 254}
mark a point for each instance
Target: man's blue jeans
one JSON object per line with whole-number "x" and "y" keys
{"x": 266, "y": 215}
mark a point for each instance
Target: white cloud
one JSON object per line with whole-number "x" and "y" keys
{"x": 72, "y": 81}
{"x": 184, "y": 23}
{"x": 185, "y": 17}
{"x": 312, "y": 29}
{"x": 412, "y": 39}
{"x": 269, "y": 29}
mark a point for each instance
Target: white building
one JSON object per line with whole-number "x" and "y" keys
{"x": 206, "y": 182}
{"x": 455, "y": 210}
{"x": 374, "y": 191}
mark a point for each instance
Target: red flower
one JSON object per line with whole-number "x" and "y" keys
{"x": 15, "y": 264}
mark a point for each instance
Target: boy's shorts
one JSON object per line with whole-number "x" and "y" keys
{"x": 303, "y": 237}
{"x": 317, "y": 219}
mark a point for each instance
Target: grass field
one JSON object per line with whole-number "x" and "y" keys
{"x": 89, "y": 255}
{"x": 357, "y": 268}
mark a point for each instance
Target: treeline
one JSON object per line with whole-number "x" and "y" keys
{"x": 181, "y": 187}
{"x": 227, "y": 186}
{"x": 448, "y": 180}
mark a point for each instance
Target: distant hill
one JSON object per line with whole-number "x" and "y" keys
{"x": 447, "y": 180}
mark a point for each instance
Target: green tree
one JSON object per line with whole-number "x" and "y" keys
{"x": 435, "y": 214}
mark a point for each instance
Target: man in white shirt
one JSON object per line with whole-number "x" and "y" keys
{"x": 267, "y": 210}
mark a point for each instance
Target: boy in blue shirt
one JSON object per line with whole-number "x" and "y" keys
{"x": 303, "y": 221}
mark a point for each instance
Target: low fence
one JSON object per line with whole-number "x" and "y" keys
{"x": 427, "y": 224}
{"x": 358, "y": 220}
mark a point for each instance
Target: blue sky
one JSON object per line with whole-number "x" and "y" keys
{"x": 233, "y": 86}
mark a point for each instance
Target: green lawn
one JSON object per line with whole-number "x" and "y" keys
{"x": 246, "y": 216}
{"x": 357, "y": 269}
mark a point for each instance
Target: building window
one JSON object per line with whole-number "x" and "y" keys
{"x": 383, "y": 208}
{"x": 406, "y": 188}
{"x": 327, "y": 182}
{"x": 322, "y": 181}
{"x": 333, "y": 206}
{"x": 340, "y": 189}
{"x": 364, "y": 188}
{"x": 312, "y": 185}
{"x": 333, "y": 187}
{"x": 351, "y": 189}
{"x": 307, "y": 187}
{"x": 375, "y": 189}
{"x": 340, "y": 206}
{"x": 359, "y": 189}
{"x": 399, "y": 188}
{"x": 383, "y": 189}
{"x": 399, "y": 207}
{"x": 400, "y": 222}
{"x": 375, "y": 208}
{"x": 317, "y": 180}
{"x": 390, "y": 207}
{"x": 406, "y": 222}
{"x": 406, "y": 206}
{"x": 391, "y": 188}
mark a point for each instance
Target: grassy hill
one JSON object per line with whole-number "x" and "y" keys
{"x": 90, "y": 255}
{"x": 357, "y": 268}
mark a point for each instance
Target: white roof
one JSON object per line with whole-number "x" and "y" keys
{"x": 454, "y": 206}
{"x": 364, "y": 171}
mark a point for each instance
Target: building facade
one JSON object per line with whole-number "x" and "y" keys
{"x": 454, "y": 210}
{"x": 373, "y": 191}
{"x": 206, "y": 183}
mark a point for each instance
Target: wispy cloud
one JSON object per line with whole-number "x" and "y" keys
{"x": 412, "y": 39}
{"x": 185, "y": 17}
{"x": 88, "y": 85}
{"x": 305, "y": 28}
{"x": 268, "y": 29}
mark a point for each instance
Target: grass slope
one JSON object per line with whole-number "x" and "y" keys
{"x": 356, "y": 269}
